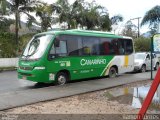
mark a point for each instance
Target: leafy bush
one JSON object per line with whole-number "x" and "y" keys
{"x": 142, "y": 44}
{"x": 5, "y": 24}
{"x": 7, "y": 45}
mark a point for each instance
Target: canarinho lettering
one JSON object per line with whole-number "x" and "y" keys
{"x": 84, "y": 62}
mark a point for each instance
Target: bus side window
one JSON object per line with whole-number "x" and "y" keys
{"x": 128, "y": 46}
{"x": 52, "y": 51}
{"x": 74, "y": 45}
{"x": 105, "y": 50}
{"x": 62, "y": 49}
{"x": 108, "y": 46}
{"x": 58, "y": 49}
{"x": 115, "y": 46}
{"x": 125, "y": 46}
{"x": 91, "y": 46}
{"x": 121, "y": 47}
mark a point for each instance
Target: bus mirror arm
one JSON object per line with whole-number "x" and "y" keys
{"x": 52, "y": 56}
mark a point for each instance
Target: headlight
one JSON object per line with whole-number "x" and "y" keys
{"x": 39, "y": 68}
{"x": 136, "y": 63}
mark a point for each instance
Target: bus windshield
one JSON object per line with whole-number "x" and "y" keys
{"x": 36, "y": 47}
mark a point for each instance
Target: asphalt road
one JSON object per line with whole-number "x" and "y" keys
{"x": 9, "y": 82}
{"x": 14, "y": 92}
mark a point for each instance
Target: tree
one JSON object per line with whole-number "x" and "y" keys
{"x": 152, "y": 17}
{"x": 3, "y": 6}
{"x": 142, "y": 44}
{"x": 96, "y": 17}
{"x": 84, "y": 14}
{"x": 66, "y": 14}
{"x": 130, "y": 30}
{"x": 92, "y": 16}
{"x": 116, "y": 19}
{"x": 45, "y": 12}
{"x": 5, "y": 24}
{"x": 154, "y": 29}
{"x": 79, "y": 13}
{"x": 7, "y": 45}
{"x": 17, "y": 7}
{"x": 105, "y": 23}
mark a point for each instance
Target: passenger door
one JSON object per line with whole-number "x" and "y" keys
{"x": 126, "y": 54}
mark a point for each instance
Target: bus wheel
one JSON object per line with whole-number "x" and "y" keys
{"x": 112, "y": 72}
{"x": 143, "y": 68}
{"x": 61, "y": 78}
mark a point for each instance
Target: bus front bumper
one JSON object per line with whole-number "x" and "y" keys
{"x": 34, "y": 75}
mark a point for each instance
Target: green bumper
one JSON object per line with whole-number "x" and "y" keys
{"x": 34, "y": 75}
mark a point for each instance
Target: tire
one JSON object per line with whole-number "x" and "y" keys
{"x": 112, "y": 72}
{"x": 61, "y": 78}
{"x": 157, "y": 66}
{"x": 143, "y": 69}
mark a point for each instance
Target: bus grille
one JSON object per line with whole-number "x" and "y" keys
{"x": 26, "y": 68}
{"x": 25, "y": 74}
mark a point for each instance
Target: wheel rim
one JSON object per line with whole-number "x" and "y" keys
{"x": 143, "y": 69}
{"x": 61, "y": 80}
{"x": 112, "y": 73}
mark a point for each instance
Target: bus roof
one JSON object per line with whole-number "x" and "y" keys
{"x": 85, "y": 33}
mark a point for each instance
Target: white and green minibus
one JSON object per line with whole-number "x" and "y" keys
{"x": 60, "y": 56}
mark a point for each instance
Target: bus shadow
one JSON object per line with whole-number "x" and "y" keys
{"x": 44, "y": 85}
{"x": 37, "y": 86}
{"x": 90, "y": 79}
{"x": 41, "y": 85}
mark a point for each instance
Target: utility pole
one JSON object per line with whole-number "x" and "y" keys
{"x": 138, "y": 24}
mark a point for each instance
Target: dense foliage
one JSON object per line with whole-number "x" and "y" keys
{"x": 79, "y": 14}
{"x": 7, "y": 45}
{"x": 142, "y": 44}
{"x": 5, "y": 24}
{"x": 152, "y": 17}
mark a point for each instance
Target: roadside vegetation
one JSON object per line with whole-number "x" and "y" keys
{"x": 80, "y": 14}
{"x": 142, "y": 44}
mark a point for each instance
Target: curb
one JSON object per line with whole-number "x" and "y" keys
{"x": 8, "y": 69}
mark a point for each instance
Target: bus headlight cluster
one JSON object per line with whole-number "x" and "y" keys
{"x": 39, "y": 68}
